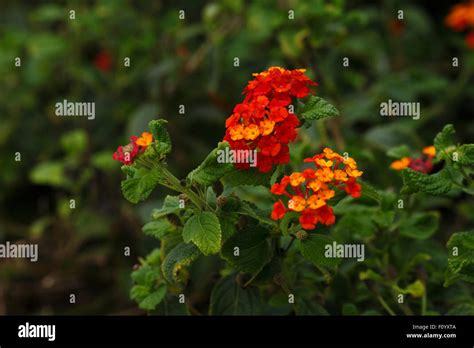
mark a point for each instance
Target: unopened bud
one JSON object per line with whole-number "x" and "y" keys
{"x": 301, "y": 235}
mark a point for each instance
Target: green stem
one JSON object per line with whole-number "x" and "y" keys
{"x": 423, "y": 304}
{"x": 385, "y": 305}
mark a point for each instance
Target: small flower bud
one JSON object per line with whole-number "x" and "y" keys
{"x": 136, "y": 267}
{"x": 301, "y": 235}
{"x": 221, "y": 201}
{"x": 183, "y": 197}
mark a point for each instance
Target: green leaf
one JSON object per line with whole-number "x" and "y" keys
{"x": 171, "y": 306}
{"x": 371, "y": 275}
{"x": 462, "y": 309}
{"x": 460, "y": 258}
{"x": 420, "y": 225}
{"x": 305, "y": 307}
{"x": 139, "y": 187}
{"x": 161, "y": 138}
{"x": 253, "y": 250}
{"x": 399, "y": 152}
{"x": 444, "y": 140}
{"x": 129, "y": 171}
{"x": 228, "y": 220}
{"x": 416, "y": 289}
{"x": 250, "y": 177}
{"x": 316, "y": 108}
{"x": 139, "y": 292}
{"x": 158, "y": 228}
{"x": 250, "y": 209}
{"x": 313, "y": 248}
{"x": 228, "y": 298}
{"x": 349, "y": 309}
{"x": 213, "y": 167}
{"x": 466, "y": 154}
{"x": 170, "y": 206}
{"x": 370, "y": 192}
{"x": 204, "y": 230}
{"x": 436, "y": 184}
{"x": 182, "y": 255}
{"x": 49, "y": 173}
{"x": 357, "y": 224}
{"x": 152, "y": 300}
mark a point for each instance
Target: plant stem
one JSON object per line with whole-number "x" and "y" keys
{"x": 385, "y": 305}
{"x": 176, "y": 185}
{"x": 423, "y": 304}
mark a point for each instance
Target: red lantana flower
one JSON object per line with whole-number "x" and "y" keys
{"x": 263, "y": 122}
{"x": 423, "y": 164}
{"x": 310, "y": 192}
{"x": 460, "y": 18}
{"x": 126, "y": 154}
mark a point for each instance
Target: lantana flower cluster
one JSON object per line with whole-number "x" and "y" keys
{"x": 423, "y": 164}
{"x": 127, "y": 154}
{"x": 309, "y": 192}
{"x": 263, "y": 121}
{"x": 460, "y": 18}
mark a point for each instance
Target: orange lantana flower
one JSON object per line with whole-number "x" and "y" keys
{"x": 311, "y": 191}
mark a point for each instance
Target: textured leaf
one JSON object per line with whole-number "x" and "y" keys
{"x": 161, "y": 138}
{"x": 228, "y": 298}
{"x": 204, "y": 230}
{"x": 152, "y": 300}
{"x": 158, "y": 228}
{"x": 370, "y": 192}
{"x": 139, "y": 187}
{"x": 460, "y": 258}
{"x": 182, "y": 255}
{"x": 210, "y": 170}
{"x": 253, "y": 250}
{"x": 420, "y": 225}
{"x": 435, "y": 184}
{"x": 170, "y": 206}
{"x": 466, "y": 154}
{"x": 228, "y": 220}
{"x": 316, "y": 108}
{"x": 313, "y": 249}
{"x": 444, "y": 139}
